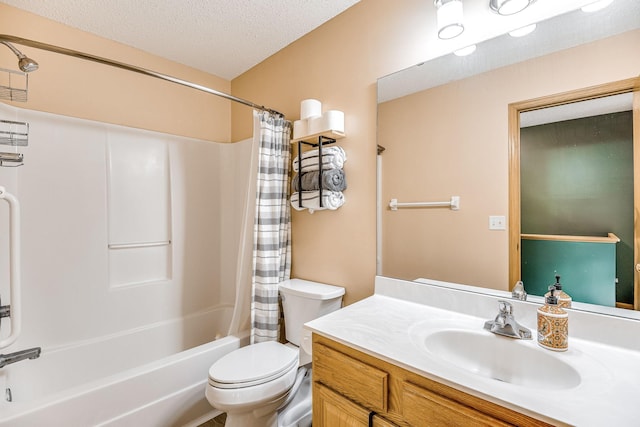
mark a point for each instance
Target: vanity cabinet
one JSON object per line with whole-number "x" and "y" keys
{"x": 353, "y": 389}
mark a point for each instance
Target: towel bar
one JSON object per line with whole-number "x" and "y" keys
{"x": 454, "y": 204}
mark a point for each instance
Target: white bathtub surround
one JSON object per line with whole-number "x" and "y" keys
{"x": 68, "y": 225}
{"x": 139, "y": 227}
{"x": 603, "y": 350}
{"x": 272, "y": 230}
{"x": 124, "y": 232}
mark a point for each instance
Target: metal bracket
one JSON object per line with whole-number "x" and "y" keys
{"x": 5, "y": 310}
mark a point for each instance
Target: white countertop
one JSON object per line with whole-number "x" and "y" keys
{"x": 389, "y": 326}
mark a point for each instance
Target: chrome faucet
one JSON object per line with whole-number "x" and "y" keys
{"x": 519, "y": 292}
{"x": 7, "y": 359}
{"x": 505, "y": 324}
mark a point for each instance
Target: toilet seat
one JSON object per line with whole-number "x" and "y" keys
{"x": 253, "y": 365}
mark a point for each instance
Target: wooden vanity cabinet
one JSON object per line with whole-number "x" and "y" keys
{"x": 353, "y": 389}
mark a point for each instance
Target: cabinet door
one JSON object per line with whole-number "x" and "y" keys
{"x": 422, "y": 407}
{"x": 333, "y": 410}
{"x": 378, "y": 421}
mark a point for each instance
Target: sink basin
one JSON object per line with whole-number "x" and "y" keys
{"x": 508, "y": 360}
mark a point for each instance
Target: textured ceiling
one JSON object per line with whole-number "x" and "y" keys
{"x": 221, "y": 37}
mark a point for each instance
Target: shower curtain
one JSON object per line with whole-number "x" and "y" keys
{"x": 241, "y": 320}
{"x": 272, "y": 224}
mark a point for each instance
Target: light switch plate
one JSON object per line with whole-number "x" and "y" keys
{"x": 497, "y": 222}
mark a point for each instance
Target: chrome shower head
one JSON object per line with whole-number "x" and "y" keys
{"x": 25, "y": 63}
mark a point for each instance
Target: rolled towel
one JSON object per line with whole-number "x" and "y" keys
{"x": 332, "y": 179}
{"x": 332, "y": 158}
{"x": 311, "y": 200}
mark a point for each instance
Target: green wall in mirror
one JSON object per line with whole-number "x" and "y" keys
{"x": 576, "y": 178}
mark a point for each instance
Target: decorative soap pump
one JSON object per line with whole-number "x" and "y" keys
{"x": 553, "y": 323}
{"x": 564, "y": 300}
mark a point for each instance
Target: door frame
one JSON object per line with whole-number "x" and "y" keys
{"x": 593, "y": 92}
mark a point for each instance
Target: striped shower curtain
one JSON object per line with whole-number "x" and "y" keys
{"x": 272, "y": 226}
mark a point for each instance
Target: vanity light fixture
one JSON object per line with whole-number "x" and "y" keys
{"x": 449, "y": 17}
{"x": 509, "y": 7}
{"x": 596, "y": 5}
{"x": 521, "y": 32}
{"x": 465, "y": 50}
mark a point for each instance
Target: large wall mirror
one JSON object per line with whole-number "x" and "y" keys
{"x": 452, "y": 127}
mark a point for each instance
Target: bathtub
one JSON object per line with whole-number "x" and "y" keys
{"x": 151, "y": 376}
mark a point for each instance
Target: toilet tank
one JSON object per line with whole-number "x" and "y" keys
{"x": 303, "y": 301}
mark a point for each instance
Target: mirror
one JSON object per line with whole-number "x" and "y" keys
{"x": 444, "y": 126}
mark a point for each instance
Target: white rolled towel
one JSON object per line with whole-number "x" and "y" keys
{"x": 331, "y": 200}
{"x": 332, "y": 158}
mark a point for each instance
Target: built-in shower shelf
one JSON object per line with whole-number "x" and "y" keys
{"x": 14, "y": 133}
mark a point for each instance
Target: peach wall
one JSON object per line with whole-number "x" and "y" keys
{"x": 78, "y": 88}
{"x": 339, "y": 64}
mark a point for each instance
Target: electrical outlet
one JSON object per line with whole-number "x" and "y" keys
{"x": 497, "y": 222}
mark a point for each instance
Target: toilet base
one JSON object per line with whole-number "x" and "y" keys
{"x": 265, "y": 415}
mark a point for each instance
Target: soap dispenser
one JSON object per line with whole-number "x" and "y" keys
{"x": 564, "y": 300}
{"x": 553, "y": 323}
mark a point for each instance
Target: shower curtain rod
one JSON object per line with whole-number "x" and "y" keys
{"x": 124, "y": 66}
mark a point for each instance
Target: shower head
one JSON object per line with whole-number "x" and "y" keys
{"x": 25, "y": 63}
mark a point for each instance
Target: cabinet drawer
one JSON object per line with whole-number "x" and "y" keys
{"x": 362, "y": 383}
{"x": 423, "y": 407}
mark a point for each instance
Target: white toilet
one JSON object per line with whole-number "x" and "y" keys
{"x": 251, "y": 383}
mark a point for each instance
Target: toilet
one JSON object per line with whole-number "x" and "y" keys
{"x": 251, "y": 383}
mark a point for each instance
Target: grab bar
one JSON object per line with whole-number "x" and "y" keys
{"x": 14, "y": 268}
{"x": 454, "y": 204}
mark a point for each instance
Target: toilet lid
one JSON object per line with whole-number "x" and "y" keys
{"x": 252, "y": 365}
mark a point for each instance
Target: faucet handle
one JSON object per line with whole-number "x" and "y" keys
{"x": 505, "y": 308}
